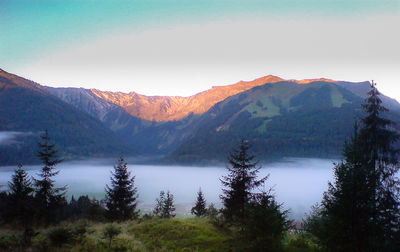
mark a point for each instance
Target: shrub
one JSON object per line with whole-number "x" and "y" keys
{"x": 40, "y": 243}
{"x": 302, "y": 243}
{"x": 59, "y": 236}
{"x": 7, "y": 243}
{"x": 109, "y": 232}
{"x": 80, "y": 228}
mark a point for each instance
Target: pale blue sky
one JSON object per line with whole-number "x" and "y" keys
{"x": 182, "y": 47}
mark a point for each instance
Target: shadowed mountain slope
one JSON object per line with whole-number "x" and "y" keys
{"x": 27, "y": 109}
{"x": 165, "y": 137}
{"x": 283, "y": 119}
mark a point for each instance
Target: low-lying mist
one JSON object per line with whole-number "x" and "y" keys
{"x": 297, "y": 183}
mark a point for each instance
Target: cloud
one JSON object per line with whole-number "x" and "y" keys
{"x": 9, "y": 137}
{"x": 186, "y": 59}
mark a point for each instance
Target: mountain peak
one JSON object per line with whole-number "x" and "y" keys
{"x": 255, "y": 82}
{"x": 169, "y": 108}
{"x": 306, "y": 81}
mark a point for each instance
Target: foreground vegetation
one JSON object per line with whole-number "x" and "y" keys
{"x": 146, "y": 234}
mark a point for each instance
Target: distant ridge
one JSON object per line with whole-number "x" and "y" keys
{"x": 282, "y": 118}
{"x": 172, "y": 108}
{"x": 308, "y": 81}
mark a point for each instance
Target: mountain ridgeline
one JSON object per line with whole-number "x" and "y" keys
{"x": 281, "y": 118}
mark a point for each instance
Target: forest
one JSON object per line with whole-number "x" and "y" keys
{"x": 359, "y": 211}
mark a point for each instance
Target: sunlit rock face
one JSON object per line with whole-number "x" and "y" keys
{"x": 170, "y": 108}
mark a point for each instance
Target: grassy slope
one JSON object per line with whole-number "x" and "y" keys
{"x": 190, "y": 234}
{"x": 282, "y": 119}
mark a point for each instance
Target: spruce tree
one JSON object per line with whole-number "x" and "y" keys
{"x": 121, "y": 197}
{"x": 239, "y": 183}
{"x": 48, "y": 197}
{"x": 361, "y": 209}
{"x": 20, "y": 197}
{"x": 158, "y": 209}
{"x": 381, "y": 158}
{"x": 200, "y": 207}
{"x": 250, "y": 207}
{"x": 169, "y": 206}
{"x": 165, "y": 207}
{"x": 348, "y": 204}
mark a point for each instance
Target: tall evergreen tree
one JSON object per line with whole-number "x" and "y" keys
{"x": 361, "y": 210}
{"x": 348, "y": 204}
{"x": 121, "y": 197}
{"x": 239, "y": 183}
{"x": 381, "y": 158}
{"x": 48, "y": 197}
{"x": 200, "y": 207}
{"x": 377, "y": 134}
{"x": 20, "y": 197}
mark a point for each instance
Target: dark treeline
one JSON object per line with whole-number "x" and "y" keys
{"x": 360, "y": 211}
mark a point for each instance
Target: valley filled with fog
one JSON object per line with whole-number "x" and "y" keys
{"x": 298, "y": 183}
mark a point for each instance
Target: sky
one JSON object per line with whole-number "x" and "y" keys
{"x": 181, "y": 47}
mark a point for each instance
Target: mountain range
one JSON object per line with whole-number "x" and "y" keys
{"x": 281, "y": 118}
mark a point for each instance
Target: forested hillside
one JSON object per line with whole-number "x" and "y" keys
{"x": 27, "y": 109}
{"x": 307, "y": 118}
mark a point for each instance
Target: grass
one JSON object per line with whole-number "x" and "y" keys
{"x": 263, "y": 127}
{"x": 154, "y": 234}
{"x": 337, "y": 98}
{"x": 192, "y": 234}
{"x": 267, "y": 108}
{"x": 151, "y": 234}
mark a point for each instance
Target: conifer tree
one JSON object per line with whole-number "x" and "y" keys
{"x": 239, "y": 183}
{"x": 361, "y": 210}
{"x": 158, "y": 209}
{"x": 47, "y": 196}
{"x": 20, "y": 197}
{"x": 165, "y": 207}
{"x": 200, "y": 207}
{"x": 348, "y": 203}
{"x": 265, "y": 224}
{"x": 212, "y": 212}
{"x": 121, "y": 197}
{"x": 250, "y": 207}
{"x": 380, "y": 157}
{"x": 169, "y": 206}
